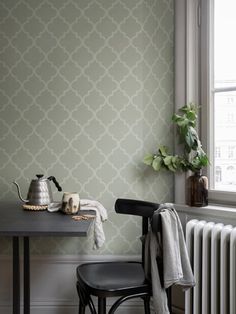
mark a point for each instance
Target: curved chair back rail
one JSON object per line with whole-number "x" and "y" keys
{"x": 135, "y": 207}
{"x": 124, "y": 279}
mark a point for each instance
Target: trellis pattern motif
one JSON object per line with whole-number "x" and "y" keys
{"x": 86, "y": 88}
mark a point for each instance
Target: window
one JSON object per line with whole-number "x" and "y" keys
{"x": 217, "y": 152}
{"x": 218, "y": 174}
{"x": 230, "y": 117}
{"x": 205, "y": 73}
{"x": 218, "y": 94}
{"x": 231, "y": 152}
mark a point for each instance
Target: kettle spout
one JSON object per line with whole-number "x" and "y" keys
{"x": 19, "y": 194}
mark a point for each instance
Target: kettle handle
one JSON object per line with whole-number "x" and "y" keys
{"x": 51, "y": 178}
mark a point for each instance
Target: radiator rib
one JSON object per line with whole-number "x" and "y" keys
{"x": 224, "y": 269}
{"x": 197, "y": 266}
{"x": 189, "y": 244}
{"x": 215, "y": 268}
{"x": 206, "y": 267}
{"x": 212, "y": 251}
{"x": 233, "y": 272}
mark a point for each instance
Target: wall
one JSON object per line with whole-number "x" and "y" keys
{"x": 86, "y": 89}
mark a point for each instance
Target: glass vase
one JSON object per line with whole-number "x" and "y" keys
{"x": 197, "y": 190}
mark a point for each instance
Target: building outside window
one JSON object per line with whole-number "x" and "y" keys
{"x": 218, "y": 174}
{"x": 231, "y": 151}
{"x": 217, "y": 152}
{"x": 230, "y": 117}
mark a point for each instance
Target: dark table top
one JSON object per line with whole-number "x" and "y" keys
{"x": 15, "y": 221}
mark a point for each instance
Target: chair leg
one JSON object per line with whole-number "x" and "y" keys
{"x": 101, "y": 305}
{"x": 146, "y": 301}
{"x": 144, "y": 296}
{"x": 84, "y": 300}
{"x": 81, "y": 308}
{"x": 91, "y": 306}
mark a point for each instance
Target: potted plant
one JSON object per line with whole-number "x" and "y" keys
{"x": 193, "y": 157}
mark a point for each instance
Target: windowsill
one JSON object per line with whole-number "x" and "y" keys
{"x": 210, "y": 210}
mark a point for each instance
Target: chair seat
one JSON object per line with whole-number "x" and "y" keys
{"x": 113, "y": 278}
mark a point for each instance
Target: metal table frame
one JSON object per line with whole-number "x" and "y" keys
{"x": 18, "y": 223}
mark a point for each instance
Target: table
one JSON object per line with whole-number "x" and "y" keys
{"x": 18, "y": 223}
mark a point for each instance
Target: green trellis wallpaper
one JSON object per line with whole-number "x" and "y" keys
{"x": 86, "y": 88}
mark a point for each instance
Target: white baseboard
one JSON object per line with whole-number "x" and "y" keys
{"x": 72, "y": 309}
{"x": 53, "y": 285}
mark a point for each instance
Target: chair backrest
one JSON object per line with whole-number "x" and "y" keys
{"x": 137, "y": 208}
{"x": 146, "y": 211}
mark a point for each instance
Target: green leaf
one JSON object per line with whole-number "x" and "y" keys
{"x": 175, "y": 162}
{"x": 183, "y": 122}
{"x": 148, "y": 159}
{"x": 171, "y": 168}
{"x": 163, "y": 150}
{"x": 176, "y": 117}
{"x": 190, "y": 139}
{"x": 204, "y": 160}
{"x": 191, "y": 115}
{"x": 184, "y": 108}
{"x": 157, "y": 163}
{"x": 193, "y": 156}
{"x": 167, "y": 160}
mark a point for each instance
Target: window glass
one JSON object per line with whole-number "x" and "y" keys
{"x": 223, "y": 95}
{"x": 224, "y": 43}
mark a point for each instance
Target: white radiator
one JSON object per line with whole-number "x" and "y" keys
{"x": 212, "y": 251}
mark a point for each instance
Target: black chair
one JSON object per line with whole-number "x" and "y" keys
{"x": 125, "y": 280}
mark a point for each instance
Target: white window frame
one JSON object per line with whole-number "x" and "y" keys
{"x": 192, "y": 53}
{"x": 187, "y": 19}
{"x": 207, "y": 119}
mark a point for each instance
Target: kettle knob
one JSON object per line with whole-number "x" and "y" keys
{"x": 39, "y": 176}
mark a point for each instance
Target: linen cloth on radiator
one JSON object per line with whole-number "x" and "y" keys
{"x": 166, "y": 258}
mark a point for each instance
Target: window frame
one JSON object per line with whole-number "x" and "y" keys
{"x": 206, "y": 98}
{"x": 192, "y": 19}
{"x": 187, "y": 89}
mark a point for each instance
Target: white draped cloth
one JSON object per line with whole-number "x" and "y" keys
{"x": 166, "y": 258}
{"x": 101, "y": 216}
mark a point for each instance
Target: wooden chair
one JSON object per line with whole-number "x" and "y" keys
{"x": 125, "y": 280}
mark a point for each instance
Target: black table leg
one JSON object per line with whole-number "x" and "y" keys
{"x": 26, "y": 276}
{"x": 16, "y": 276}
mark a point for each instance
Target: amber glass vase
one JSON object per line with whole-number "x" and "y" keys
{"x": 197, "y": 190}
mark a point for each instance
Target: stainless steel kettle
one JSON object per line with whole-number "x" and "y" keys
{"x": 40, "y": 192}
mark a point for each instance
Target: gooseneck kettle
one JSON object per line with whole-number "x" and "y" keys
{"x": 39, "y": 192}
